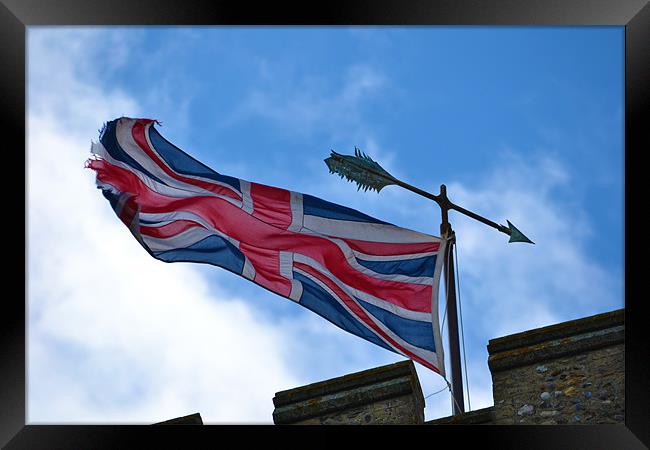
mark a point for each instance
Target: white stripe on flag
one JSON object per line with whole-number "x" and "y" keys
{"x": 286, "y": 270}
{"x": 365, "y": 231}
{"x": 296, "y": 212}
{"x": 247, "y": 200}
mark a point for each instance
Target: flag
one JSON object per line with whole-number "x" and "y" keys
{"x": 368, "y": 277}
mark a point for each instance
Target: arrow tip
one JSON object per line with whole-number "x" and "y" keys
{"x": 516, "y": 235}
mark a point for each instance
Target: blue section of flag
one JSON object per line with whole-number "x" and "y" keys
{"x": 416, "y": 267}
{"x": 315, "y": 206}
{"x": 415, "y": 332}
{"x": 213, "y": 250}
{"x": 147, "y": 222}
{"x": 183, "y": 163}
{"x": 322, "y": 303}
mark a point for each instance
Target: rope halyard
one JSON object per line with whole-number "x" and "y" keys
{"x": 462, "y": 330}
{"x": 444, "y": 315}
{"x": 448, "y": 387}
{"x": 437, "y": 392}
{"x": 452, "y": 393}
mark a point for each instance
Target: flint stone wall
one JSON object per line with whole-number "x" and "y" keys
{"x": 570, "y": 373}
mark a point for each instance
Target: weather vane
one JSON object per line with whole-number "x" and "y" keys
{"x": 368, "y": 174}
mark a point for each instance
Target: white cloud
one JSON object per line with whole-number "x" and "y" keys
{"x": 556, "y": 279}
{"x": 115, "y": 336}
{"x": 302, "y": 104}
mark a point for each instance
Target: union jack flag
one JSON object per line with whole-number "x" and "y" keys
{"x": 368, "y": 277}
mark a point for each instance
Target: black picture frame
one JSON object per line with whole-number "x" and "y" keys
{"x": 634, "y": 15}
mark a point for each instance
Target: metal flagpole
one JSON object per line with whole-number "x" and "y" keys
{"x": 368, "y": 174}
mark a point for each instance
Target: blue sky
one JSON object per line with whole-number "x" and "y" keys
{"x": 521, "y": 123}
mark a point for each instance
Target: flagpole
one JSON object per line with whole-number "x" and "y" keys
{"x": 458, "y": 397}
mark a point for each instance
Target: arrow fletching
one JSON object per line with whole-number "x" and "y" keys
{"x": 516, "y": 235}
{"x": 361, "y": 169}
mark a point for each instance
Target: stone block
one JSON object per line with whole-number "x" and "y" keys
{"x": 384, "y": 395}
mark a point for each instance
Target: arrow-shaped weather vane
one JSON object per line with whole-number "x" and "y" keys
{"x": 368, "y": 174}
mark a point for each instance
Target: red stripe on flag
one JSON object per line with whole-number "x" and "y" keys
{"x": 271, "y": 204}
{"x": 128, "y": 211}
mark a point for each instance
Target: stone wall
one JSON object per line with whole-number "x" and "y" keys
{"x": 384, "y": 395}
{"x": 570, "y": 373}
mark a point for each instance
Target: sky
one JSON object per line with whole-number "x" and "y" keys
{"x": 520, "y": 123}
